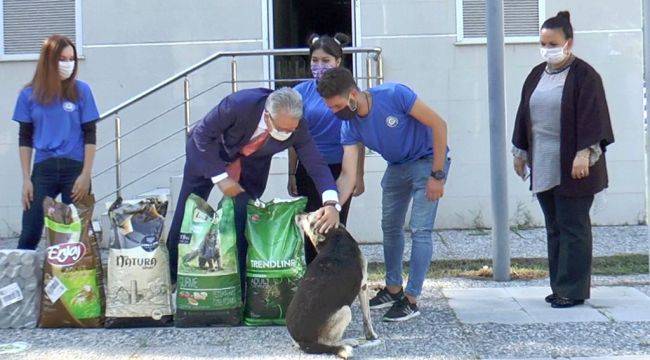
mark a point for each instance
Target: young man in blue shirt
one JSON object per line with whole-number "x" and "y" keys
{"x": 412, "y": 138}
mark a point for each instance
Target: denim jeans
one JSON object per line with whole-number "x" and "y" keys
{"x": 50, "y": 177}
{"x": 401, "y": 184}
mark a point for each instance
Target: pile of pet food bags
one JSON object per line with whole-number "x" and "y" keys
{"x": 68, "y": 287}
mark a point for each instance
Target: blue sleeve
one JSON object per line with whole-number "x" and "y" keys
{"x": 349, "y": 134}
{"x": 88, "y": 107}
{"x": 21, "y": 111}
{"x": 405, "y": 97}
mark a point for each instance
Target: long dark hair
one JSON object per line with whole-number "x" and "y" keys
{"x": 47, "y": 84}
{"x": 333, "y": 45}
{"x": 560, "y": 21}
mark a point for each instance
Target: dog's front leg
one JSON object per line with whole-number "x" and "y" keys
{"x": 365, "y": 302}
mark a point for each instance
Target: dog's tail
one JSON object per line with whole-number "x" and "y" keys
{"x": 342, "y": 351}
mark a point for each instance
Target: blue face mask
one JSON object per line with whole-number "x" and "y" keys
{"x": 317, "y": 70}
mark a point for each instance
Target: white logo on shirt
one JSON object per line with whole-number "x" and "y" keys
{"x": 69, "y": 107}
{"x": 392, "y": 121}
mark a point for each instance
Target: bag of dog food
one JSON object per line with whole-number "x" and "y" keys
{"x": 20, "y": 288}
{"x": 208, "y": 290}
{"x": 73, "y": 288}
{"x": 275, "y": 261}
{"x": 138, "y": 287}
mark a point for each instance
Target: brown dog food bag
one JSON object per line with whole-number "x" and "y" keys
{"x": 73, "y": 290}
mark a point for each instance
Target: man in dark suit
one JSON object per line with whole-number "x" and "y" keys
{"x": 232, "y": 147}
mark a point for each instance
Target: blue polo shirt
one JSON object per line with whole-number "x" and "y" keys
{"x": 324, "y": 126}
{"x": 388, "y": 129}
{"x": 57, "y": 126}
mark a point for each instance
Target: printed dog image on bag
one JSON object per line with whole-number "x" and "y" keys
{"x": 208, "y": 287}
{"x": 138, "y": 288}
{"x": 73, "y": 293}
{"x": 275, "y": 261}
{"x": 208, "y": 253}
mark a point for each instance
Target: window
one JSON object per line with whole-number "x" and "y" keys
{"x": 522, "y": 20}
{"x": 25, "y": 24}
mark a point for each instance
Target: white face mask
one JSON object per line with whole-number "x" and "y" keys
{"x": 553, "y": 55}
{"x": 65, "y": 69}
{"x": 277, "y": 134}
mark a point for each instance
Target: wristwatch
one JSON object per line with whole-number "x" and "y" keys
{"x": 336, "y": 204}
{"x": 439, "y": 175}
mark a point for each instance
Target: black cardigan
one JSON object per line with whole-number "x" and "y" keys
{"x": 584, "y": 122}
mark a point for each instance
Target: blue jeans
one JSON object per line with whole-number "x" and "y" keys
{"x": 50, "y": 177}
{"x": 400, "y": 184}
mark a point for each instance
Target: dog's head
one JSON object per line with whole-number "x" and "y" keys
{"x": 307, "y": 222}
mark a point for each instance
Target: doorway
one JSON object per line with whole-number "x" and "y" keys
{"x": 294, "y": 21}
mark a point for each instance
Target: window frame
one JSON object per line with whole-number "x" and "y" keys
{"x": 34, "y": 56}
{"x": 461, "y": 40}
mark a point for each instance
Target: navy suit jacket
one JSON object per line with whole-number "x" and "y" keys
{"x": 216, "y": 140}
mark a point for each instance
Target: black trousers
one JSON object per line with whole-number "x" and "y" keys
{"x": 202, "y": 187}
{"x": 50, "y": 177}
{"x": 568, "y": 230}
{"x": 307, "y": 188}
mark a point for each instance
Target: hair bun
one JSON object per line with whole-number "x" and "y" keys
{"x": 342, "y": 39}
{"x": 565, "y": 15}
{"x": 313, "y": 38}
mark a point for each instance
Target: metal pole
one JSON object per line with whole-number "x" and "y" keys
{"x": 118, "y": 155}
{"x": 233, "y": 74}
{"x": 498, "y": 158}
{"x": 646, "y": 71}
{"x": 368, "y": 72}
{"x": 380, "y": 69}
{"x": 186, "y": 96}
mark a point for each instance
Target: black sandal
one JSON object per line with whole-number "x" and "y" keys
{"x": 562, "y": 302}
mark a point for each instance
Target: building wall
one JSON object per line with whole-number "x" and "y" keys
{"x": 132, "y": 46}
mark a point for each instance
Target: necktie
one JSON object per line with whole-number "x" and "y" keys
{"x": 234, "y": 168}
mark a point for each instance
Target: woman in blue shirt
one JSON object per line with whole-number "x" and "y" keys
{"x": 57, "y": 115}
{"x": 325, "y": 52}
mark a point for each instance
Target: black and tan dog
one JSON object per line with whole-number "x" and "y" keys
{"x": 320, "y": 310}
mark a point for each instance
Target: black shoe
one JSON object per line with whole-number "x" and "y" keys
{"x": 562, "y": 302}
{"x": 385, "y": 299}
{"x": 402, "y": 310}
{"x": 549, "y": 299}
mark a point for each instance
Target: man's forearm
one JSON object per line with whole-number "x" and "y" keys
{"x": 345, "y": 185}
{"x": 440, "y": 147}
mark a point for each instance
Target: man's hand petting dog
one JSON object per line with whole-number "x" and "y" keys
{"x": 327, "y": 218}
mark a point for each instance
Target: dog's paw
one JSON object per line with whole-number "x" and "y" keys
{"x": 350, "y": 342}
{"x": 372, "y": 336}
{"x": 345, "y": 352}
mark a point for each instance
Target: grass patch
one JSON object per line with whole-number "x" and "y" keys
{"x": 521, "y": 268}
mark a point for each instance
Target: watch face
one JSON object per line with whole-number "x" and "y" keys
{"x": 439, "y": 175}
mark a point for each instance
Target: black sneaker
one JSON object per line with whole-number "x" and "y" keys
{"x": 402, "y": 310}
{"x": 385, "y": 299}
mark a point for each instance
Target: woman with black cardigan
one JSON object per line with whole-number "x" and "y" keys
{"x": 561, "y": 133}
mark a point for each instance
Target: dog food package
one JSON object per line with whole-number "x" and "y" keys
{"x": 208, "y": 290}
{"x": 73, "y": 290}
{"x": 275, "y": 261}
{"x": 138, "y": 290}
{"x": 20, "y": 288}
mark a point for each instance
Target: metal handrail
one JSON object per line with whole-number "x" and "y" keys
{"x": 221, "y": 54}
{"x": 372, "y": 54}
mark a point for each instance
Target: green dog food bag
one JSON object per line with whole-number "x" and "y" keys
{"x": 275, "y": 261}
{"x": 208, "y": 290}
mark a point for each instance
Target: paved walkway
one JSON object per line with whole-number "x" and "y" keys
{"x": 444, "y": 331}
